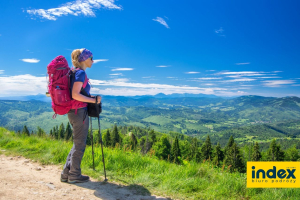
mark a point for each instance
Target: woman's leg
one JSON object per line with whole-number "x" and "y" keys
{"x": 80, "y": 124}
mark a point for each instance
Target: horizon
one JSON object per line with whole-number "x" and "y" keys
{"x": 226, "y": 49}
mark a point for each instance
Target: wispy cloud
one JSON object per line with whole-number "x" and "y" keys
{"x": 148, "y": 77}
{"x": 123, "y": 87}
{"x": 85, "y": 7}
{"x": 30, "y": 60}
{"x": 241, "y": 73}
{"x": 100, "y": 60}
{"x": 239, "y": 80}
{"x": 220, "y": 32}
{"x": 161, "y": 21}
{"x": 122, "y": 69}
{"x": 163, "y": 66}
{"x": 118, "y": 74}
{"x": 207, "y": 78}
{"x": 171, "y": 77}
{"x": 209, "y": 84}
{"x": 192, "y": 72}
{"x": 2, "y": 71}
{"x": 277, "y": 83}
{"x": 246, "y": 63}
{"x": 210, "y": 70}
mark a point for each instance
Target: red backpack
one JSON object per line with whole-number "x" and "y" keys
{"x": 59, "y": 87}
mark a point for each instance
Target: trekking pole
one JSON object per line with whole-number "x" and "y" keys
{"x": 91, "y": 132}
{"x": 100, "y": 137}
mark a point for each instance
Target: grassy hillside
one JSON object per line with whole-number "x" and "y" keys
{"x": 187, "y": 181}
{"x": 188, "y": 115}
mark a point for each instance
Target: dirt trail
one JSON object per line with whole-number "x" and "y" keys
{"x": 23, "y": 179}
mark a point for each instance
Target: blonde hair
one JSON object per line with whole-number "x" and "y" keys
{"x": 74, "y": 55}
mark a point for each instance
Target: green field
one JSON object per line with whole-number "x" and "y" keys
{"x": 187, "y": 181}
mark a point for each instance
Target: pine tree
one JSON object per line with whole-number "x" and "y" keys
{"x": 152, "y": 136}
{"x": 235, "y": 159}
{"x": 185, "y": 147}
{"x": 218, "y": 155}
{"x": 162, "y": 148}
{"x": 25, "y": 131}
{"x": 194, "y": 152}
{"x": 274, "y": 152}
{"x": 229, "y": 144}
{"x": 69, "y": 132}
{"x": 133, "y": 141}
{"x": 40, "y": 132}
{"x": 56, "y": 135}
{"x": 206, "y": 149}
{"x": 51, "y": 133}
{"x": 89, "y": 138}
{"x": 115, "y": 136}
{"x": 61, "y": 131}
{"x": 175, "y": 151}
{"x": 256, "y": 155}
{"x": 106, "y": 139}
{"x": 142, "y": 145}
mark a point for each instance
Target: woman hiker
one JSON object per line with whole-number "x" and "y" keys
{"x": 81, "y": 59}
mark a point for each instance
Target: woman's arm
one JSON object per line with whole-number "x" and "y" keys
{"x": 79, "y": 97}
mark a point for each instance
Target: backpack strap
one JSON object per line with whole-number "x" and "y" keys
{"x": 85, "y": 81}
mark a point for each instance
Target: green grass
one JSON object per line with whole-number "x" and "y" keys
{"x": 188, "y": 181}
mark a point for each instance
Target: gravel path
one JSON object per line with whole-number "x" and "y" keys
{"x": 24, "y": 179}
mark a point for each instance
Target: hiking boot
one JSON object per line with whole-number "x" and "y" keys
{"x": 63, "y": 178}
{"x": 81, "y": 179}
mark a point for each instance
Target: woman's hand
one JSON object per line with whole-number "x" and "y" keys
{"x": 99, "y": 99}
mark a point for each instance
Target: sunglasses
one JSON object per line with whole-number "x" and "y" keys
{"x": 91, "y": 58}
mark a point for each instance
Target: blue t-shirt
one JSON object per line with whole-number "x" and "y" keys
{"x": 79, "y": 77}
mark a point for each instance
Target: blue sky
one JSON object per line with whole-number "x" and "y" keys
{"x": 225, "y": 48}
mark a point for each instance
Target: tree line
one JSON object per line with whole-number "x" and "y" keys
{"x": 178, "y": 148}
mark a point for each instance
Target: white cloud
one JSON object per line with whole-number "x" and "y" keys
{"x": 163, "y": 66}
{"x": 220, "y": 32}
{"x": 30, "y": 60}
{"x": 243, "y": 73}
{"x": 210, "y": 70}
{"x": 277, "y": 83}
{"x": 192, "y": 72}
{"x": 161, "y": 21}
{"x": 2, "y": 71}
{"x": 85, "y": 7}
{"x": 118, "y": 74}
{"x": 269, "y": 77}
{"x": 171, "y": 77}
{"x": 100, "y": 60}
{"x": 209, "y": 84}
{"x": 276, "y": 71}
{"x": 122, "y": 69}
{"x": 21, "y": 85}
{"x": 247, "y": 63}
{"x": 239, "y": 80}
{"x": 208, "y": 78}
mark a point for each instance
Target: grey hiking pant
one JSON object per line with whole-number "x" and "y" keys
{"x": 80, "y": 124}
